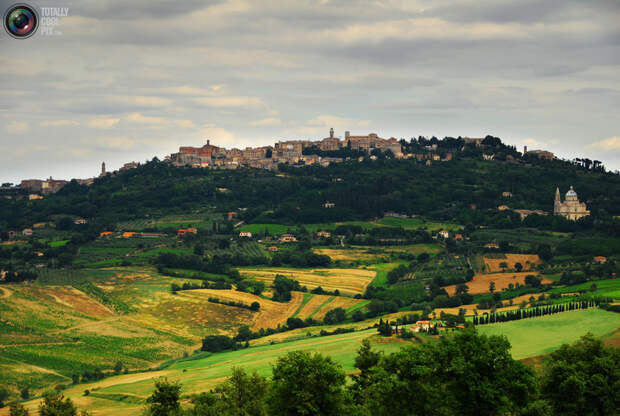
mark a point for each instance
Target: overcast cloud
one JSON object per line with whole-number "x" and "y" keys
{"x": 132, "y": 80}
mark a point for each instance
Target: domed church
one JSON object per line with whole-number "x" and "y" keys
{"x": 571, "y": 208}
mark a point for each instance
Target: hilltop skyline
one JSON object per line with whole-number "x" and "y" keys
{"x": 539, "y": 73}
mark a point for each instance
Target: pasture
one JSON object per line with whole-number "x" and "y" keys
{"x": 347, "y": 281}
{"x": 418, "y": 223}
{"x": 537, "y": 336}
{"x": 609, "y": 288}
{"x": 273, "y": 229}
{"x": 125, "y": 394}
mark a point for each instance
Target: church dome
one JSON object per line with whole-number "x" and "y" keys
{"x": 571, "y": 192}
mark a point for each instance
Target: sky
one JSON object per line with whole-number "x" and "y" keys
{"x": 123, "y": 81}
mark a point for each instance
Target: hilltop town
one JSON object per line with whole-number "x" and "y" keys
{"x": 321, "y": 152}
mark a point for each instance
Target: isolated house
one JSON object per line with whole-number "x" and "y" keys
{"x": 287, "y": 238}
{"x": 245, "y": 234}
{"x": 184, "y": 231}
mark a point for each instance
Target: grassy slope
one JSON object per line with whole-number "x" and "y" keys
{"x": 125, "y": 393}
{"x": 537, "y": 336}
{"x": 610, "y": 287}
{"x": 49, "y": 332}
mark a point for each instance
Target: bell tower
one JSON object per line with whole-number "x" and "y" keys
{"x": 103, "y": 172}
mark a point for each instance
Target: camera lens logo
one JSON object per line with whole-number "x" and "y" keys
{"x": 21, "y": 21}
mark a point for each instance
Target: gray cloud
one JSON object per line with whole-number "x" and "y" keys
{"x": 132, "y": 80}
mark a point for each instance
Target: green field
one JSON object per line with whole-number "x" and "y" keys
{"x": 58, "y": 243}
{"x": 274, "y": 229}
{"x": 125, "y": 394}
{"x": 609, "y": 288}
{"x": 382, "y": 270}
{"x": 418, "y": 223}
{"x": 537, "y": 336}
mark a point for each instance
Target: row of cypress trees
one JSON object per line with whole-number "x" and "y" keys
{"x": 534, "y": 312}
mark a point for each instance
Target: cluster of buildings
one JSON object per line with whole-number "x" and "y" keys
{"x": 289, "y": 152}
{"x": 42, "y": 187}
{"x": 39, "y": 188}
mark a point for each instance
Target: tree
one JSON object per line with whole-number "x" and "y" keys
{"x": 282, "y": 287}
{"x": 243, "y": 333}
{"x": 258, "y": 287}
{"x": 242, "y": 394}
{"x": 544, "y": 252}
{"x": 306, "y": 384}
{"x": 17, "y": 409}
{"x": 583, "y": 378}
{"x": 503, "y": 265}
{"x": 358, "y": 316}
{"x": 165, "y": 399}
{"x": 462, "y": 289}
{"x": 532, "y": 280}
{"x": 217, "y": 343}
{"x": 335, "y": 316}
{"x": 24, "y": 393}
{"x": 255, "y": 306}
{"x": 423, "y": 257}
{"x": 4, "y": 394}
{"x": 366, "y": 360}
{"x": 469, "y": 275}
{"x": 55, "y": 404}
{"x": 492, "y": 287}
{"x": 518, "y": 267}
{"x": 118, "y": 367}
{"x": 443, "y": 371}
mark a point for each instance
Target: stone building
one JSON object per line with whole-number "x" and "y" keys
{"x": 571, "y": 208}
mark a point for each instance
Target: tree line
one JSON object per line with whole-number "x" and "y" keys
{"x": 534, "y": 312}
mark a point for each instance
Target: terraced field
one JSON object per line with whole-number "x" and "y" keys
{"x": 348, "y": 281}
